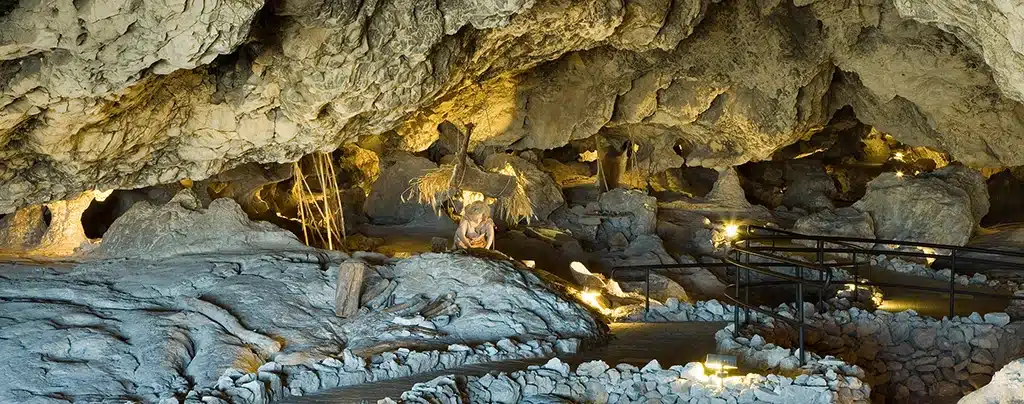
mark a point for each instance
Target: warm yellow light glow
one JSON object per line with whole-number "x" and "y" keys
{"x": 469, "y": 197}
{"x": 508, "y": 170}
{"x": 917, "y": 172}
{"x": 588, "y": 156}
{"x": 899, "y": 174}
{"x": 695, "y": 373}
{"x": 100, "y": 196}
{"x": 927, "y": 250}
{"x": 530, "y": 263}
{"x": 732, "y": 230}
{"x": 898, "y": 156}
{"x": 590, "y": 297}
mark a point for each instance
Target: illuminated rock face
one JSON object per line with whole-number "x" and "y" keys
{"x": 123, "y": 95}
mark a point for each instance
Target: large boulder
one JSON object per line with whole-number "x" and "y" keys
{"x": 629, "y": 212}
{"x": 842, "y": 222}
{"x": 808, "y": 186}
{"x": 972, "y": 182}
{"x": 544, "y": 193}
{"x": 646, "y": 250}
{"x": 391, "y": 201}
{"x": 926, "y": 208}
{"x": 1006, "y": 387}
{"x": 183, "y": 226}
{"x": 496, "y": 299}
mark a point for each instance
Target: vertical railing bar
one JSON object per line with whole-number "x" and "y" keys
{"x": 647, "y": 294}
{"x": 800, "y": 311}
{"x": 856, "y": 277}
{"x": 952, "y": 285}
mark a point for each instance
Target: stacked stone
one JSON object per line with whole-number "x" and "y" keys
{"x": 899, "y": 265}
{"x": 674, "y": 310}
{"x": 845, "y": 380}
{"x": 274, "y": 381}
{"x": 597, "y": 382}
{"x": 911, "y": 356}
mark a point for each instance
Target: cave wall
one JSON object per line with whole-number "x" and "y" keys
{"x": 102, "y": 95}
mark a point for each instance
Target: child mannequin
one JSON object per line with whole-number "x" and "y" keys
{"x": 476, "y": 229}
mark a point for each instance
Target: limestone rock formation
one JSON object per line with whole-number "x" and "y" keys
{"x": 116, "y": 96}
{"x": 54, "y": 229}
{"x": 163, "y": 329}
{"x": 22, "y": 230}
{"x": 842, "y": 222}
{"x": 545, "y": 195}
{"x": 391, "y": 201}
{"x": 941, "y": 208}
{"x": 184, "y": 227}
{"x": 1006, "y": 386}
{"x": 495, "y": 299}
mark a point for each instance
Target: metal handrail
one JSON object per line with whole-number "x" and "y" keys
{"x": 742, "y": 245}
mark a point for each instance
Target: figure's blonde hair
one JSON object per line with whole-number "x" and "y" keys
{"x": 477, "y": 209}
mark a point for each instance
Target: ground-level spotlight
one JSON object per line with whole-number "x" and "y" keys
{"x": 530, "y": 263}
{"x": 899, "y": 174}
{"x": 720, "y": 364}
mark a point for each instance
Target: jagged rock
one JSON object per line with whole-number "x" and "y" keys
{"x": 908, "y": 208}
{"x": 842, "y": 222}
{"x": 122, "y": 110}
{"x": 183, "y": 227}
{"x": 545, "y": 195}
{"x": 631, "y": 213}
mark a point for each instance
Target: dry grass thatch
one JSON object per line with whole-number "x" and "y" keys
{"x": 517, "y": 206}
{"x": 319, "y": 208}
{"x": 434, "y": 187}
{"x": 437, "y": 186}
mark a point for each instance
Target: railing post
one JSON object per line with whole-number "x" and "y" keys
{"x": 746, "y": 286}
{"x": 647, "y": 294}
{"x": 736, "y": 309}
{"x": 800, "y": 312}
{"x": 952, "y": 285}
{"x": 821, "y": 263}
{"x": 856, "y": 277}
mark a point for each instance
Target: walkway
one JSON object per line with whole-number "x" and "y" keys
{"x": 633, "y": 343}
{"x": 929, "y": 303}
{"x": 926, "y": 303}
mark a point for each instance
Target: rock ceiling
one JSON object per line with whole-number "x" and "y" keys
{"x": 123, "y": 94}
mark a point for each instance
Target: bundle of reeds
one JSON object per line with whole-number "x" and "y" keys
{"x": 319, "y": 208}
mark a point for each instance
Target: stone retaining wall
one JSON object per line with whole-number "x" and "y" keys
{"x": 274, "y": 381}
{"x": 902, "y": 354}
{"x": 908, "y": 356}
{"x": 596, "y": 382}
